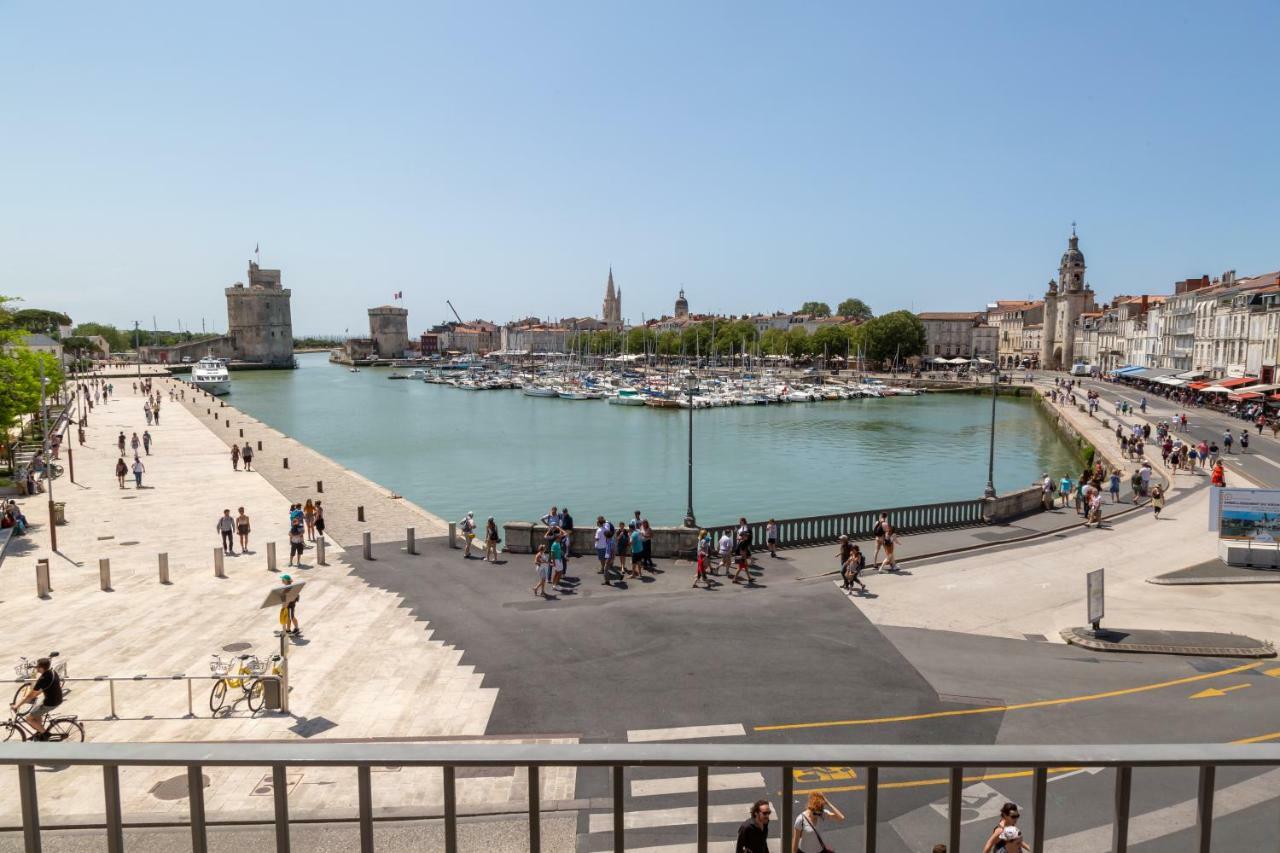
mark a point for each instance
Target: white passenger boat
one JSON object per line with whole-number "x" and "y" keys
{"x": 532, "y": 390}
{"x": 210, "y": 374}
{"x": 627, "y": 397}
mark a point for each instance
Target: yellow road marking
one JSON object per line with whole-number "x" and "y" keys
{"x": 986, "y": 777}
{"x": 1021, "y": 706}
{"x": 1274, "y": 673}
{"x": 823, "y": 774}
{"x": 1214, "y": 691}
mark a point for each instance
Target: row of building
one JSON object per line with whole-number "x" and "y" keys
{"x": 1224, "y": 326}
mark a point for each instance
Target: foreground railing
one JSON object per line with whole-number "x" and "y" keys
{"x": 1206, "y": 758}
{"x": 820, "y": 529}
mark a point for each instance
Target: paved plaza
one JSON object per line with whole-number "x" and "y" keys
{"x": 957, "y": 648}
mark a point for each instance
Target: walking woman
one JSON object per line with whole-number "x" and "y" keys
{"x": 807, "y": 837}
{"x": 1157, "y": 501}
{"x": 242, "y": 530}
{"x": 319, "y": 520}
{"x": 542, "y": 564}
{"x": 890, "y": 543}
{"x": 122, "y": 470}
{"x": 637, "y": 551}
{"x": 309, "y": 518}
{"x": 235, "y": 457}
{"x": 703, "y": 557}
{"x": 491, "y": 541}
{"x": 852, "y": 570}
{"x": 1009, "y": 815}
{"x": 622, "y": 547}
{"x": 468, "y": 528}
{"x": 771, "y": 537}
{"x": 138, "y": 470}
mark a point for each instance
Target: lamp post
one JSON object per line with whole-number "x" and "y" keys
{"x": 990, "y": 491}
{"x": 48, "y": 462}
{"x": 137, "y": 350}
{"x": 688, "y": 514}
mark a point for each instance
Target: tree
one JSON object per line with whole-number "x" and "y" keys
{"x": 669, "y": 342}
{"x": 831, "y": 340}
{"x": 20, "y": 381}
{"x": 855, "y": 308}
{"x": 774, "y": 342}
{"x": 797, "y": 341}
{"x": 116, "y": 339}
{"x": 817, "y": 309}
{"x": 38, "y": 321}
{"x": 641, "y": 339}
{"x": 897, "y": 334}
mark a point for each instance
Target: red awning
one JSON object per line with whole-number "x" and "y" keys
{"x": 1236, "y": 382}
{"x": 1245, "y": 395}
{"x": 1199, "y": 386}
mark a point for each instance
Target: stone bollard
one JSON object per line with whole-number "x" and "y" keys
{"x": 207, "y": 411}
{"x": 320, "y": 551}
{"x": 218, "y": 570}
{"x": 242, "y": 432}
{"x": 320, "y": 486}
{"x": 259, "y": 445}
{"x": 104, "y": 574}
{"x": 453, "y": 534}
{"x": 164, "y": 568}
{"x": 286, "y": 461}
{"x": 410, "y": 541}
{"x": 42, "y": 579}
{"x": 271, "y": 556}
{"x": 367, "y": 538}
{"x": 360, "y": 513}
{"x": 228, "y": 423}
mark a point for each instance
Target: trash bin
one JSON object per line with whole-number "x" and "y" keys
{"x": 59, "y": 512}
{"x": 271, "y": 694}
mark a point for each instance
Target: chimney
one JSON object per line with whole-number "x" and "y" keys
{"x": 1144, "y": 303}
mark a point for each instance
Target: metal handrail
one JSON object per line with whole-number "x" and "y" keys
{"x": 363, "y": 756}
{"x": 112, "y": 679}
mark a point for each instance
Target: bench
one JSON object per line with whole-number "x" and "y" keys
{"x": 5, "y": 535}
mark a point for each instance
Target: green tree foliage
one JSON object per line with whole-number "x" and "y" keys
{"x": 898, "y": 333}
{"x": 773, "y": 342}
{"x": 20, "y": 370}
{"x": 669, "y": 343}
{"x": 856, "y": 309}
{"x": 830, "y": 340}
{"x": 40, "y": 322}
{"x": 641, "y": 339}
{"x": 797, "y": 342}
{"x": 817, "y": 309}
{"x": 116, "y": 339}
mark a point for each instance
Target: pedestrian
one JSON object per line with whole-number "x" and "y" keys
{"x": 491, "y": 541}
{"x": 146, "y": 442}
{"x": 566, "y": 524}
{"x": 622, "y": 547}
{"x": 556, "y": 549}
{"x": 1146, "y": 472}
{"x": 1064, "y": 489}
{"x": 742, "y": 558}
{"x": 319, "y": 520}
{"x": 702, "y": 558}
{"x": 138, "y": 470}
{"x": 807, "y": 837}
{"x": 842, "y": 559}
{"x": 135, "y": 443}
{"x": 753, "y": 834}
{"x": 1157, "y": 501}
{"x": 242, "y": 530}
{"x": 309, "y": 519}
{"x": 890, "y": 542}
{"x": 853, "y": 568}
{"x": 1009, "y": 814}
{"x": 468, "y": 528}
{"x": 637, "y": 551}
{"x": 602, "y": 553}
{"x": 120, "y": 442}
{"x": 122, "y": 471}
{"x": 1114, "y": 482}
{"x": 235, "y": 457}
{"x": 646, "y": 539}
{"x": 146, "y": 411}
{"x": 725, "y": 546}
{"x": 155, "y": 411}
{"x": 224, "y": 526}
{"x": 542, "y": 565}
{"x": 1095, "y": 509}
{"x": 1219, "y": 476}
{"x": 1227, "y": 440}
{"x": 297, "y": 544}
{"x": 1046, "y": 488}
{"x": 1244, "y": 441}
{"x": 290, "y": 620}
{"x": 246, "y": 453}
{"x": 1213, "y": 453}
{"x": 771, "y": 537}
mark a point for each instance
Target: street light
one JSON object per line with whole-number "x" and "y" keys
{"x": 688, "y": 514}
{"x": 48, "y": 460}
{"x": 990, "y": 491}
{"x": 137, "y": 350}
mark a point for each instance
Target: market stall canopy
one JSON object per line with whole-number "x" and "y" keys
{"x": 982, "y": 361}
{"x": 1192, "y": 374}
{"x": 1171, "y": 381}
{"x": 959, "y": 361}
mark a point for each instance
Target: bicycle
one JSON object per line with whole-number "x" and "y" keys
{"x": 66, "y": 727}
{"x": 246, "y": 679}
{"x": 26, "y": 672}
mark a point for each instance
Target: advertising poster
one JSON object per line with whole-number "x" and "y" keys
{"x": 1249, "y": 515}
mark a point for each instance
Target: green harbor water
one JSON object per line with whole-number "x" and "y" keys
{"x": 503, "y": 454}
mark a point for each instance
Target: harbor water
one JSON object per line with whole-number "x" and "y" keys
{"x": 503, "y": 454}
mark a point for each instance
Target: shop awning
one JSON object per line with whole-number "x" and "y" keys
{"x": 1192, "y": 374}
{"x": 1171, "y": 381}
{"x": 1236, "y": 381}
{"x": 1153, "y": 373}
{"x": 1244, "y": 395}
{"x": 1126, "y": 370}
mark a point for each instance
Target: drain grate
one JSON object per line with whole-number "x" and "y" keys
{"x": 236, "y": 647}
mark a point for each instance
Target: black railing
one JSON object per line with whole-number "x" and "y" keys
{"x": 820, "y": 529}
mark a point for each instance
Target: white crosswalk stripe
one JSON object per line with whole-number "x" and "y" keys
{"x": 685, "y": 733}
{"x": 679, "y": 816}
{"x": 689, "y": 784}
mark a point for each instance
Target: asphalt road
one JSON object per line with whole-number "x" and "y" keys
{"x": 796, "y": 662}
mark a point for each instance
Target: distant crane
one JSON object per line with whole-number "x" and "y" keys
{"x": 455, "y": 312}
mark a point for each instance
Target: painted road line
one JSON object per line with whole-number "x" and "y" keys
{"x": 1022, "y": 706}
{"x": 680, "y": 816}
{"x": 1214, "y": 691}
{"x": 689, "y": 784}
{"x": 1274, "y": 673}
{"x": 685, "y": 733}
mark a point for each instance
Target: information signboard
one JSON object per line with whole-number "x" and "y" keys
{"x": 1249, "y": 515}
{"x": 1094, "y": 594}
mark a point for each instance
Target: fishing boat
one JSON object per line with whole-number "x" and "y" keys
{"x": 210, "y": 374}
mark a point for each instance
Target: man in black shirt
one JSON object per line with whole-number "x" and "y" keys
{"x": 753, "y": 835}
{"x": 47, "y": 687}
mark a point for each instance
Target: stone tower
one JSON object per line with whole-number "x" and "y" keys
{"x": 389, "y": 329}
{"x": 612, "y": 314}
{"x": 259, "y": 322}
{"x": 1064, "y": 302}
{"x": 682, "y": 305}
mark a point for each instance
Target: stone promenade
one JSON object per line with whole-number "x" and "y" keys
{"x": 365, "y": 667}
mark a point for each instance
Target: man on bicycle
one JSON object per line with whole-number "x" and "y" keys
{"x": 45, "y": 695}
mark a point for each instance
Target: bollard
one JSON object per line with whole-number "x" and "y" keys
{"x": 410, "y": 541}
{"x": 368, "y": 544}
{"x": 286, "y": 461}
{"x": 271, "y": 556}
{"x": 42, "y": 579}
{"x": 453, "y": 534}
{"x": 242, "y": 432}
{"x": 360, "y": 513}
{"x": 164, "y": 568}
{"x": 259, "y": 445}
{"x": 207, "y": 411}
{"x": 218, "y": 570}
{"x": 320, "y": 551}
{"x": 104, "y": 574}
{"x": 71, "y": 465}
{"x": 228, "y": 423}
{"x": 320, "y": 486}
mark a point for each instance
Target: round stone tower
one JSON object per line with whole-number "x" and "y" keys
{"x": 682, "y": 305}
{"x": 389, "y": 328}
{"x": 259, "y": 322}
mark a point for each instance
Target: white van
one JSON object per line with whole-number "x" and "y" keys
{"x": 1080, "y": 369}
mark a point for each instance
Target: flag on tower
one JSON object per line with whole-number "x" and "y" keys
{"x": 399, "y": 294}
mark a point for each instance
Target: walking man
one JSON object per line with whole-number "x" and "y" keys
{"x": 146, "y": 442}
{"x": 138, "y": 470}
{"x": 753, "y": 834}
{"x": 247, "y": 455}
{"x": 225, "y": 526}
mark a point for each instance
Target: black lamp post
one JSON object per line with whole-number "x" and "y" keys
{"x": 990, "y": 491}
{"x": 688, "y": 514}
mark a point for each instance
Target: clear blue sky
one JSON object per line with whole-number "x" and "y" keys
{"x": 927, "y": 156}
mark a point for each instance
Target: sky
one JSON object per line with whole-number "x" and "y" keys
{"x": 504, "y": 156}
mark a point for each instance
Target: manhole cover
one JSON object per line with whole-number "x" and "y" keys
{"x": 174, "y": 788}
{"x": 237, "y": 647}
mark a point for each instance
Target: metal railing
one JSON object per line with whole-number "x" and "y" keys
{"x": 819, "y": 529}
{"x": 1040, "y": 760}
{"x": 111, "y": 680}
